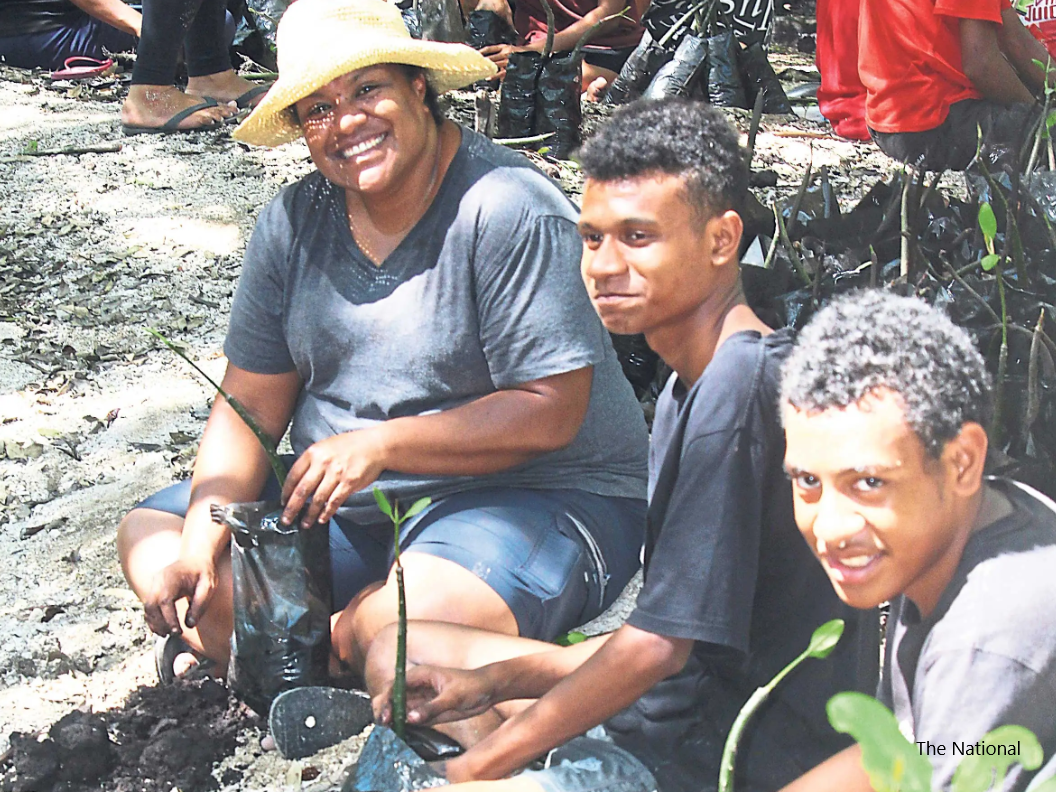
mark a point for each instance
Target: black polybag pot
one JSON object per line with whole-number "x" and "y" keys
{"x": 486, "y": 28}
{"x": 517, "y": 98}
{"x": 759, "y": 77}
{"x": 637, "y": 71}
{"x": 725, "y": 88}
{"x": 557, "y": 103}
{"x": 282, "y": 599}
{"x": 678, "y": 76}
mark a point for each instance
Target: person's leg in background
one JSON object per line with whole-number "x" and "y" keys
{"x": 841, "y": 97}
{"x": 153, "y": 98}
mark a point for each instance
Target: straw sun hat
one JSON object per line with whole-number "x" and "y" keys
{"x": 320, "y": 40}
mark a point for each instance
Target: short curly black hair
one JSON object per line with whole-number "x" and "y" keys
{"x": 677, "y": 137}
{"x": 873, "y": 339}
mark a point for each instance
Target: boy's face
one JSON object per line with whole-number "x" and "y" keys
{"x": 648, "y": 261}
{"x": 880, "y": 514}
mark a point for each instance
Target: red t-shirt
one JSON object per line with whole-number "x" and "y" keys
{"x": 1040, "y": 20}
{"x": 909, "y": 59}
{"x": 530, "y": 20}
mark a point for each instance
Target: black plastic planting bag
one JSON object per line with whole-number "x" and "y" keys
{"x": 759, "y": 77}
{"x": 485, "y": 28}
{"x": 678, "y": 76}
{"x": 517, "y": 98}
{"x": 557, "y": 107}
{"x": 387, "y": 764}
{"x": 281, "y": 576}
{"x": 725, "y": 88}
{"x": 637, "y": 71}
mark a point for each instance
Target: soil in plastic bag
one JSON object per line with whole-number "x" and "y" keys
{"x": 637, "y": 71}
{"x": 759, "y": 78}
{"x": 441, "y": 21}
{"x": 557, "y": 107}
{"x": 281, "y": 578}
{"x": 387, "y": 764}
{"x": 679, "y": 76}
{"x": 725, "y": 88}
{"x": 517, "y": 99}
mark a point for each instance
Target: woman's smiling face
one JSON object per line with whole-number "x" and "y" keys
{"x": 367, "y": 129}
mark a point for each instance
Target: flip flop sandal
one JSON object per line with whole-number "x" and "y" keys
{"x": 173, "y": 124}
{"x": 246, "y": 100}
{"x": 166, "y": 649}
{"x": 80, "y": 67}
{"x": 305, "y": 720}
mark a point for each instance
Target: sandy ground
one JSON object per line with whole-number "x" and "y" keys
{"x": 94, "y": 248}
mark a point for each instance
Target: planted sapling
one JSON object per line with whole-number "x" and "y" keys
{"x": 822, "y": 642}
{"x": 399, "y": 682}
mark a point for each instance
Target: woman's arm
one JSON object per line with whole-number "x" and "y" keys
{"x": 231, "y": 467}
{"x": 986, "y": 65}
{"x": 115, "y": 13}
{"x": 486, "y": 435}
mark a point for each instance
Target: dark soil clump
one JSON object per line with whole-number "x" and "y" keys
{"x": 163, "y": 738}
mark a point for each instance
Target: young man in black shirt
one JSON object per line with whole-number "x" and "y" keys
{"x": 731, "y": 592}
{"x": 885, "y": 402}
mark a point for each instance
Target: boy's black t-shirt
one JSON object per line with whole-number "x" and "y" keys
{"x": 726, "y": 566}
{"x": 986, "y": 656}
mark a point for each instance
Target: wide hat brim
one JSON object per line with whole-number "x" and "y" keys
{"x": 340, "y": 43}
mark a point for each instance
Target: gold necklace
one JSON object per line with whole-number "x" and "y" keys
{"x": 360, "y": 238}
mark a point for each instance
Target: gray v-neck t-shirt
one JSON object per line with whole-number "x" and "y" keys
{"x": 483, "y": 294}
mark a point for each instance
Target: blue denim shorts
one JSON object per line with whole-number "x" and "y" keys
{"x": 558, "y": 558}
{"x": 589, "y": 764}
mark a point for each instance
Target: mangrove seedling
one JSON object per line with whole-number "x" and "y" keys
{"x": 399, "y": 681}
{"x": 822, "y": 642}
{"x": 268, "y": 444}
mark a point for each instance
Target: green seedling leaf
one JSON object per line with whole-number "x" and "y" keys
{"x": 570, "y": 638}
{"x": 821, "y": 644}
{"x": 989, "y": 261}
{"x": 892, "y": 763}
{"x": 416, "y": 508}
{"x": 987, "y": 220}
{"x": 383, "y": 503}
{"x": 978, "y": 773}
{"x": 277, "y": 466}
{"x": 1021, "y": 6}
{"x": 1050, "y": 120}
{"x": 824, "y": 639}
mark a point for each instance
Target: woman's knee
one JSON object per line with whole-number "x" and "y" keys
{"x": 147, "y": 538}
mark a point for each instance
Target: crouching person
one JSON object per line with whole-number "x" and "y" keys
{"x": 885, "y": 402}
{"x": 731, "y": 593}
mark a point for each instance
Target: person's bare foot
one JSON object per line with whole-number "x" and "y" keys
{"x": 225, "y": 86}
{"x": 596, "y": 90}
{"x": 154, "y": 105}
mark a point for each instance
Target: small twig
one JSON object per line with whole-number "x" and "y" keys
{"x": 1033, "y": 395}
{"x": 904, "y": 247}
{"x": 802, "y": 133}
{"x": 202, "y": 301}
{"x": 753, "y": 127}
{"x": 680, "y": 23}
{"x": 773, "y": 241}
{"x": 97, "y": 148}
{"x": 794, "y": 214}
{"x": 971, "y": 291}
{"x": 589, "y": 34}
{"x": 523, "y": 141}
{"x": 797, "y": 262}
{"x": 551, "y": 26}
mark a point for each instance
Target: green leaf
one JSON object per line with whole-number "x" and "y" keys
{"x": 417, "y": 507}
{"x": 383, "y": 503}
{"x": 989, "y": 261}
{"x": 987, "y": 221}
{"x": 980, "y": 773}
{"x": 825, "y": 638}
{"x": 1021, "y": 6}
{"x": 570, "y": 638}
{"x": 1050, "y": 120}
{"x": 892, "y": 763}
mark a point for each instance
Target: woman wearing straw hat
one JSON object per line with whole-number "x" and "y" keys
{"x": 415, "y": 307}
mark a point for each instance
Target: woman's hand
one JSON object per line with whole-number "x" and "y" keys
{"x": 329, "y": 471}
{"x": 499, "y": 54}
{"x": 193, "y": 578}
